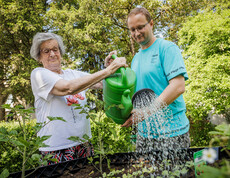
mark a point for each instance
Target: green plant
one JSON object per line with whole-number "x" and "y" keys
{"x": 199, "y": 129}
{"x": 221, "y": 136}
{"x": 107, "y": 137}
{"x": 144, "y": 170}
{"x": 204, "y": 39}
{"x": 22, "y": 140}
{"x": 10, "y": 157}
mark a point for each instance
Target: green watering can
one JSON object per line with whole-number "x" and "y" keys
{"x": 118, "y": 89}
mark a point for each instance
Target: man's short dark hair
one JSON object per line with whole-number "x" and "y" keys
{"x": 140, "y": 10}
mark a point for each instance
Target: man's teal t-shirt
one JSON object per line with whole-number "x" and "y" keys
{"x": 154, "y": 67}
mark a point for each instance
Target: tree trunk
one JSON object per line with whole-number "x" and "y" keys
{"x": 3, "y": 99}
{"x": 132, "y": 45}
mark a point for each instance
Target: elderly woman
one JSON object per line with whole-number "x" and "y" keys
{"x": 55, "y": 90}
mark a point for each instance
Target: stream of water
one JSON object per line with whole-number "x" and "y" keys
{"x": 163, "y": 153}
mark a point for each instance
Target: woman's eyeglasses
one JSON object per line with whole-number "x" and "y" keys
{"x": 47, "y": 50}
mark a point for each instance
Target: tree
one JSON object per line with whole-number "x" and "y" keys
{"x": 171, "y": 14}
{"x": 20, "y": 20}
{"x": 90, "y": 30}
{"x": 205, "y": 40}
{"x": 93, "y": 28}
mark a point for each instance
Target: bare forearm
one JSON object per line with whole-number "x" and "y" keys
{"x": 63, "y": 87}
{"x": 175, "y": 88}
{"x": 91, "y": 81}
{"x": 98, "y": 85}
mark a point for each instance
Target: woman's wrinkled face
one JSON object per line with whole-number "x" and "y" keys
{"x": 50, "y": 55}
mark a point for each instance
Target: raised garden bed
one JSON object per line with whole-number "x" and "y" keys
{"x": 82, "y": 167}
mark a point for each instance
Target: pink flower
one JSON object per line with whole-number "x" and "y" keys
{"x": 73, "y": 99}
{"x": 79, "y": 96}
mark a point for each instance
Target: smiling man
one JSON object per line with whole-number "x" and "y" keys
{"x": 159, "y": 66}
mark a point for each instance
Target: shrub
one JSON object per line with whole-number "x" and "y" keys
{"x": 10, "y": 158}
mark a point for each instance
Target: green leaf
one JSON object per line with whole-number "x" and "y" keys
{"x": 222, "y": 127}
{"x": 18, "y": 143}
{"x": 3, "y": 130}
{"x": 3, "y": 138}
{"x": 36, "y": 157}
{"x": 44, "y": 163}
{"x": 216, "y": 133}
{"x": 54, "y": 159}
{"x": 113, "y": 132}
{"x": 86, "y": 137}
{"x": 78, "y": 107}
{"x": 184, "y": 171}
{"x": 23, "y": 142}
{"x": 98, "y": 123}
{"x": 5, "y": 173}
{"x": 44, "y": 138}
{"x": 48, "y": 156}
{"x": 96, "y": 156}
{"x": 56, "y": 118}
{"x": 13, "y": 132}
{"x": 6, "y": 106}
{"x": 165, "y": 173}
{"x": 74, "y": 138}
{"x": 83, "y": 112}
{"x": 90, "y": 159}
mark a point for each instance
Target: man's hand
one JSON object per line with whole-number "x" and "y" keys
{"x": 136, "y": 117}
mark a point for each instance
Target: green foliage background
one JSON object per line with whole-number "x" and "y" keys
{"x": 205, "y": 40}
{"x": 92, "y": 28}
{"x": 10, "y": 157}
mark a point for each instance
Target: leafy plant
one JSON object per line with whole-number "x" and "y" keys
{"x": 22, "y": 140}
{"x": 107, "y": 137}
{"x": 221, "y": 136}
{"x": 144, "y": 170}
{"x": 204, "y": 40}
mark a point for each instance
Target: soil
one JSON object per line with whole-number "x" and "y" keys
{"x": 90, "y": 171}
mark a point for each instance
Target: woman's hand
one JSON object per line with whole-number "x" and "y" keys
{"x": 108, "y": 59}
{"x": 116, "y": 64}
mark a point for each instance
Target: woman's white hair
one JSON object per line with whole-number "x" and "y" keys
{"x": 39, "y": 38}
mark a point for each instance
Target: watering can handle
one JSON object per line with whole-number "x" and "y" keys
{"x": 122, "y": 71}
{"x": 127, "y": 103}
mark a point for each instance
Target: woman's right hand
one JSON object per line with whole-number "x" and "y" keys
{"x": 108, "y": 59}
{"x": 116, "y": 64}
